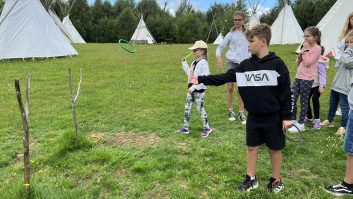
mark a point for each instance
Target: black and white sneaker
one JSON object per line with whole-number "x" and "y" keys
{"x": 248, "y": 184}
{"x": 339, "y": 190}
{"x": 231, "y": 115}
{"x": 242, "y": 118}
{"x": 275, "y": 185}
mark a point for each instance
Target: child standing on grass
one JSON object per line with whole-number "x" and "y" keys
{"x": 196, "y": 93}
{"x": 237, "y": 52}
{"x": 317, "y": 89}
{"x": 307, "y": 62}
{"x": 346, "y": 186}
{"x": 340, "y": 87}
{"x": 264, "y": 85}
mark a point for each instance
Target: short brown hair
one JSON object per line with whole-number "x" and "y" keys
{"x": 261, "y": 31}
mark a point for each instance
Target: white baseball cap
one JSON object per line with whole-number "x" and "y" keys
{"x": 198, "y": 44}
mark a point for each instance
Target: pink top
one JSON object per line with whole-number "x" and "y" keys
{"x": 307, "y": 63}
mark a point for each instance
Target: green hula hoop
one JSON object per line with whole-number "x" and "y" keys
{"x": 131, "y": 49}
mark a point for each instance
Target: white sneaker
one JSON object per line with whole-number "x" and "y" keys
{"x": 296, "y": 128}
{"x": 231, "y": 115}
{"x": 339, "y": 112}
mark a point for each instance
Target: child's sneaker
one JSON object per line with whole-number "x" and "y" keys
{"x": 248, "y": 184}
{"x": 317, "y": 124}
{"x": 308, "y": 121}
{"x": 231, "y": 116}
{"x": 183, "y": 131}
{"x": 275, "y": 185}
{"x": 339, "y": 190}
{"x": 242, "y": 118}
{"x": 341, "y": 131}
{"x": 339, "y": 112}
{"x": 296, "y": 128}
{"x": 206, "y": 132}
{"x": 327, "y": 123}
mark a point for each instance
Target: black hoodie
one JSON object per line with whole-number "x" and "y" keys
{"x": 263, "y": 84}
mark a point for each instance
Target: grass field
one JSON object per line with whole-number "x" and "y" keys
{"x": 134, "y": 103}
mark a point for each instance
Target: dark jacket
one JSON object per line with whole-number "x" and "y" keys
{"x": 263, "y": 84}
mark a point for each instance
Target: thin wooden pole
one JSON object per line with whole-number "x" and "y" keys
{"x": 24, "y": 110}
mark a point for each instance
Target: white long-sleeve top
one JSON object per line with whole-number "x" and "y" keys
{"x": 238, "y": 47}
{"x": 200, "y": 69}
{"x": 339, "y": 49}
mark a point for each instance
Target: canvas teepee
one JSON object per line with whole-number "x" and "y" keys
{"x": 142, "y": 34}
{"x": 286, "y": 29}
{"x": 77, "y": 39}
{"x": 254, "y": 5}
{"x": 332, "y": 23}
{"x": 66, "y": 7}
{"x": 218, "y": 39}
{"x": 60, "y": 25}
{"x": 253, "y": 20}
{"x": 27, "y": 31}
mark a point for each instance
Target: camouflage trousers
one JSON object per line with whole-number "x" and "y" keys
{"x": 198, "y": 99}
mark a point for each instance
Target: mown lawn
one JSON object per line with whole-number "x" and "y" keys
{"x": 134, "y": 103}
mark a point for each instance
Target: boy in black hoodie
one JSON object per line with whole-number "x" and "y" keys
{"x": 264, "y": 85}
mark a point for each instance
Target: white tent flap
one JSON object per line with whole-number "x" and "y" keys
{"x": 27, "y": 31}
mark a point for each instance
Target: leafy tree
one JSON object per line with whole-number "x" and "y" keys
{"x": 147, "y": 8}
{"x": 96, "y": 11}
{"x": 241, "y": 6}
{"x": 1, "y": 5}
{"x": 126, "y": 24}
{"x": 107, "y": 9}
{"x": 162, "y": 27}
{"x": 81, "y": 18}
{"x": 272, "y": 14}
{"x": 191, "y": 27}
{"x": 120, "y": 5}
{"x": 216, "y": 16}
{"x": 185, "y": 7}
{"x": 309, "y": 13}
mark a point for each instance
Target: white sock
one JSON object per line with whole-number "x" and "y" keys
{"x": 252, "y": 177}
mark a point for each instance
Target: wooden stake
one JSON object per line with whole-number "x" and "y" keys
{"x": 25, "y": 123}
{"x": 74, "y": 100}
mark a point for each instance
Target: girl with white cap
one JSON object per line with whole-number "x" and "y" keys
{"x": 196, "y": 93}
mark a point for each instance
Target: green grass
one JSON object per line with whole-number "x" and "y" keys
{"x": 134, "y": 103}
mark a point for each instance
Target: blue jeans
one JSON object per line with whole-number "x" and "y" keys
{"x": 348, "y": 139}
{"x": 341, "y": 99}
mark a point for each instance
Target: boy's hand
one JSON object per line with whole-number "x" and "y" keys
{"x": 219, "y": 62}
{"x": 194, "y": 80}
{"x": 321, "y": 89}
{"x": 190, "y": 91}
{"x": 287, "y": 123}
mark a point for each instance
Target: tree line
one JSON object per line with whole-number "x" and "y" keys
{"x": 105, "y": 22}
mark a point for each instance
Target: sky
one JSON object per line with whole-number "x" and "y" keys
{"x": 203, "y": 5}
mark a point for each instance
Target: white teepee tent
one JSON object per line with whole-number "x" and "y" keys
{"x": 332, "y": 23}
{"x": 142, "y": 34}
{"x": 66, "y": 7}
{"x": 27, "y": 31}
{"x": 218, "y": 39}
{"x": 254, "y": 5}
{"x": 60, "y": 25}
{"x": 286, "y": 29}
{"x": 253, "y": 20}
{"x": 77, "y": 39}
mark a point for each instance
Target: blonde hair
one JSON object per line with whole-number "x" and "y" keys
{"x": 349, "y": 37}
{"x": 347, "y": 27}
{"x": 239, "y": 13}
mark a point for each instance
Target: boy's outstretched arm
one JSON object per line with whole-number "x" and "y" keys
{"x": 215, "y": 80}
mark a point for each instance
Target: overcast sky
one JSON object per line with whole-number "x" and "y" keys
{"x": 203, "y": 5}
